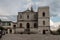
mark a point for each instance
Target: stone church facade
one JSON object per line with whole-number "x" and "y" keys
{"x": 33, "y": 22}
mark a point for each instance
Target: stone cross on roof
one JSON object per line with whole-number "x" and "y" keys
{"x": 30, "y": 9}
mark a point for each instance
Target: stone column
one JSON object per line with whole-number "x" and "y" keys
{"x": 12, "y": 31}
{"x": 8, "y": 31}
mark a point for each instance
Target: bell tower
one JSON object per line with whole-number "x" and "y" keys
{"x": 43, "y": 20}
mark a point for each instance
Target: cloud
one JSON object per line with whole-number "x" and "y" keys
{"x": 3, "y": 12}
{"x": 51, "y": 23}
{"x": 54, "y": 26}
{"x": 8, "y": 18}
{"x": 9, "y": 7}
{"x": 55, "y": 7}
{"x": 12, "y": 7}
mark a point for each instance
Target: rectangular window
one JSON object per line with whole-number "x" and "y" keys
{"x": 35, "y": 25}
{"x": 9, "y": 24}
{"x": 20, "y": 25}
{"x": 20, "y": 16}
{"x": 27, "y": 16}
{"x": 43, "y": 22}
{"x": 35, "y": 16}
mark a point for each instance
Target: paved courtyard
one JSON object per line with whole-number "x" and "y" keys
{"x": 30, "y": 37}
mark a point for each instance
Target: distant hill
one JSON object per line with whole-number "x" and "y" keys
{"x": 8, "y": 18}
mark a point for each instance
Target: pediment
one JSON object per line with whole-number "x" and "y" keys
{"x": 27, "y": 11}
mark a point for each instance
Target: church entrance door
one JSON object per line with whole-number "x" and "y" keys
{"x": 28, "y": 28}
{"x": 44, "y": 32}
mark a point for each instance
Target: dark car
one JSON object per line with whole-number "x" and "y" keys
{"x": 0, "y": 33}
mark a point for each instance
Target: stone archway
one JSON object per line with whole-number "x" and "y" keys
{"x": 28, "y": 28}
{"x": 28, "y": 25}
{"x": 10, "y": 31}
{"x": 44, "y": 32}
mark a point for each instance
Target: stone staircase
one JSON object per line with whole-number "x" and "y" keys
{"x": 27, "y": 31}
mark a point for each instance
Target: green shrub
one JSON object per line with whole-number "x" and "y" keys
{"x": 1, "y": 28}
{"x": 58, "y": 30}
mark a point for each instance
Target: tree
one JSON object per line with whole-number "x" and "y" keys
{"x": 58, "y": 30}
{"x": 1, "y": 28}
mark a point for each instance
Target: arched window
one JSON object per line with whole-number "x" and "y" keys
{"x": 10, "y": 31}
{"x": 28, "y": 25}
{"x": 20, "y": 25}
{"x": 27, "y": 16}
{"x": 35, "y": 25}
{"x": 43, "y": 22}
{"x": 43, "y": 14}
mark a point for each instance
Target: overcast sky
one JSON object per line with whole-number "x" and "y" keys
{"x": 12, "y": 7}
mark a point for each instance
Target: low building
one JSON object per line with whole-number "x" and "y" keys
{"x": 14, "y": 26}
{"x": 8, "y": 25}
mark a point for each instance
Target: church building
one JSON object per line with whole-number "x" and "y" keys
{"x": 30, "y": 21}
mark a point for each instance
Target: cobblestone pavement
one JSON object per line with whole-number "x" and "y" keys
{"x": 30, "y": 37}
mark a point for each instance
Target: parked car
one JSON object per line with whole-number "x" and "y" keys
{"x": 0, "y": 33}
{"x": 3, "y": 32}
